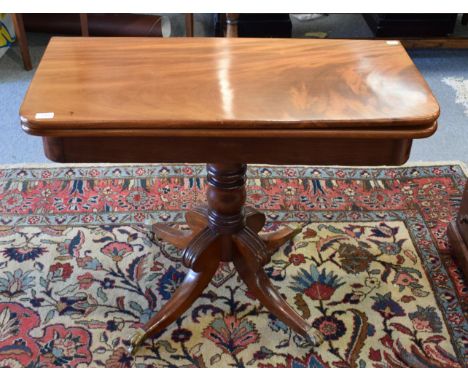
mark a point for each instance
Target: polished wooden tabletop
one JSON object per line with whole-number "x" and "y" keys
{"x": 117, "y": 86}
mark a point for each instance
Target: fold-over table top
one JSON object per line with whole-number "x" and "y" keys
{"x": 137, "y": 86}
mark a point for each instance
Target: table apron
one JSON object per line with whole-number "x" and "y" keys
{"x": 312, "y": 151}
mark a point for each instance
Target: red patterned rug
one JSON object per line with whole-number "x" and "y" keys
{"x": 79, "y": 270}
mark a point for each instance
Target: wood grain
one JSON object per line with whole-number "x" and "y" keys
{"x": 126, "y": 86}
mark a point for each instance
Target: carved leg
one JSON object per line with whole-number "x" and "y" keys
{"x": 274, "y": 240}
{"x": 196, "y": 220}
{"x": 202, "y": 256}
{"x": 176, "y": 237}
{"x": 255, "y": 220}
{"x": 252, "y": 254}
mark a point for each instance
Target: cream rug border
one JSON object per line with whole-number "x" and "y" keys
{"x": 462, "y": 164}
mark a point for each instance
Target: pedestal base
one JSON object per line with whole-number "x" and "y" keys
{"x": 225, "y": 231}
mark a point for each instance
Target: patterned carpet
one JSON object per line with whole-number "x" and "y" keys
{"x": 80, "y": 271}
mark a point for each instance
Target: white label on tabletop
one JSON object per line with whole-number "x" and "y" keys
{"x": 393, "y": 42}
{"x": 45, "y": 115}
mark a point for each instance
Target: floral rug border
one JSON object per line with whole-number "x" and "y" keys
{"x": 10, "y": 179}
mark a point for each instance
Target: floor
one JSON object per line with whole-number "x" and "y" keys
{"x": 438, "y": 66}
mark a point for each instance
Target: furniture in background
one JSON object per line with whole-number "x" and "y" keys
{"x": 458, "y": 235}
{"x": 231, "y": 25}
{"x": 98, "y": 24}
{"x": 189, "y": 24}
{"x": 231, "y": 114}
{"x": 255, "y": 25}
{"x": 416, "y": 30}
{"x": 22, "y": 39}
{"x": 412, "y": 30}
{"x": 86, "y": 24}
{"x": 411, "y": 24}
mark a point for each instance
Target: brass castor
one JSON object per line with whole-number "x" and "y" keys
{"x": 136, "y": 341}
{"x": 315, "y": 337}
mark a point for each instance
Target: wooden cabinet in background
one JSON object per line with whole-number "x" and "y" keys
{"x": 458, "y": 235}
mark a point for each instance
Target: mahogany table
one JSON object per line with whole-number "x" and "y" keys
{"x": 227, "y": 102}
